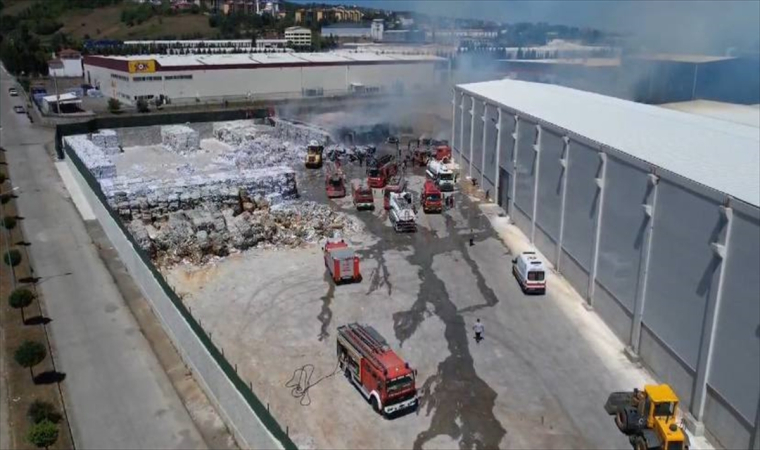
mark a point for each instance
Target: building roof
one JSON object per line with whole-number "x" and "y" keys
{"x": 63, "y": 98}
{"x": 696, "y": 59}
{"x": 716, "y": 153}
{"x": 588, "y": 62}
{"x": 731, "y": 112}
{"x": 254, "y": 60}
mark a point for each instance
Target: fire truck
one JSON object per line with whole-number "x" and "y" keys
{"x": 442, "y": 152}
{"x": 335, "y": 183}
{"x": 431, "y": 199}
{"x": 395, "y": 184}
{"x": 341, "y": 262}
{"x": 402, "y": 212}
{"x": 368, "y": 362}
{"x": 362, "y": 195}
{"x": 378, "y": 175}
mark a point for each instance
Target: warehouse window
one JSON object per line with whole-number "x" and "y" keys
{"x": 119, "y": 77}
{"x": 147, "y": 79}
{"x": 179, "y": 77}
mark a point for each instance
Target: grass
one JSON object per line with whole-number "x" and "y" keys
{"x": 13, "y": 7}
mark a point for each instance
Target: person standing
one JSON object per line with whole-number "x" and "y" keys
{"x": 479, "y": 329}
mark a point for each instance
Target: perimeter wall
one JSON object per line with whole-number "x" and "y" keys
{"x": 670, "y": 265}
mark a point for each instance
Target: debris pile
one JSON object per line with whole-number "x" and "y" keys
{"x": 107, "y": 140}
{"x": 93, "y": 157}
{"x": 201, "y": 234}
{"x": 300, "y": 133}
{"x": 153, "y": 199}
{"x": 180, "y": 139}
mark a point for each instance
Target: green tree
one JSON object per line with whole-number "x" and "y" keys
{"x": 142, "y": 106}
{"x": 29, "y": 354}
{"x": 41, "y": 410}
{"x": 43, "y": 434}
{"x": 12, "y": 257}
{"x": 9, "y": 222}
{"x": 114, "y": 105}
{"x": 19, "y": 299}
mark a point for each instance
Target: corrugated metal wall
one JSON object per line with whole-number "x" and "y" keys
{"x": 644, "y": 214}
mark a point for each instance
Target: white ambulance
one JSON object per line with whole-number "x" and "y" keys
{"x": 530, "y": 273}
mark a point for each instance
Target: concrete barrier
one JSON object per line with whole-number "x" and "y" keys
{"x": 249, "y": 421}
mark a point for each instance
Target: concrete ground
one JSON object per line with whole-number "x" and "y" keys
{"x": 538, "y": 380}
{"x": 117, "y": 394}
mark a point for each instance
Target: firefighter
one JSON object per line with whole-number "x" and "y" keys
{"x": 479, "y": 329}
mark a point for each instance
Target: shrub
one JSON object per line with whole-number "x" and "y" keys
{"x": 12, "y": 258}
{"x": 9, "y": 222}
{"x": 5, "y": 198}
{"x": 114, "y": 105}
{"x": 41, "y": 410}
{"x": 142, "y": 106}
{"x": 2, "y": 177}
{"x": 43, "y": 434}
{"x": 29, "y": 354}
{"x": 19, "y": 299}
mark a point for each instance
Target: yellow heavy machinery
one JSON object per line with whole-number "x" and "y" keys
{"x": 648, "y": 418}
{"x": 314, "y": 155}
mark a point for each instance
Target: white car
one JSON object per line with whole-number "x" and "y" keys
{"x": 13, "y": 92}
{"x": 530, "y": 273}
{"x": 19, "y": 109}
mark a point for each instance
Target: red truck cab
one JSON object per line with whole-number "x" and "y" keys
{"x": 443, "y": 152}
{"x": 395, "y": 184}
{"x": 362, "y": 196}
{"x": 335, "y": 185}
{"x": 377, "y": 177}
{"x": 431, "y": 198}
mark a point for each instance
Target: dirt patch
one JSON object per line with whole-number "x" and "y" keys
{"x": 21, "y": 388}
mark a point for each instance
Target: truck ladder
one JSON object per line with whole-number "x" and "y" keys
{"x": 369, "y": 343}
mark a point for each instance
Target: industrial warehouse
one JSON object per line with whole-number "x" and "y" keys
{"x": 650, "y": 214}
{"x": 190, "y": 78}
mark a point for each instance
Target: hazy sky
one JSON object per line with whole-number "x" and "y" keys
{"x": 683, "y": 25}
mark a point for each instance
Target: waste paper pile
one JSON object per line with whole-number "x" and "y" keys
{"x": 180, "y": 139}
{"x": 202, "y": 234}
{"x": 107, "y": 140}
{"x": 93, "y": 156}
{"x": 300, "y": 133}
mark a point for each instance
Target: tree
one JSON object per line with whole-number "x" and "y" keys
{"x": 19, "y": 299}
{"x": 9, "y": 222}
{"x": 142, "y": 106}
{"x": 12, "y": 258}
{"x": 29, "y": 354}
{"x": 114, "y": 105}
{"x": 43, "y": 434}
{"x": 41, "y": 410}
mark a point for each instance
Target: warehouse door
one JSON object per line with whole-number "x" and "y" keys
{"x": 503, "y": 195}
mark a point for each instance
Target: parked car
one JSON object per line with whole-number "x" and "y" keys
{"x": 19, "y": 109}
{"x": 13, "y": 92}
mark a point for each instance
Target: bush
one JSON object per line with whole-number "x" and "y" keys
{"x": 43, "y": 434}
{"x": 5, "y": 198}
{"x": 142, "y": 106}
{"x": 29, "y": 354}
{"x": 12, "y": 258}
{"x": 2, "y": 177}
{"x": 114, "y": 105}
{"x": 40, "y": 411}
{"x": 47, "y": 26}
{"x": 9, "y": 222}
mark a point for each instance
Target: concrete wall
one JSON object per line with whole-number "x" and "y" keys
{"x": 660, "y": 258}
{"x": 238, "y": 415}
{"x": 284, "y": 81}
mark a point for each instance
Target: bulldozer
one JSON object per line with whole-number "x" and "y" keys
{"x": 648, "y": 418}
{"x": 314, "y": 155}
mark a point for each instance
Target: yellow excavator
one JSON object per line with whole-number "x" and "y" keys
{"x": 648, "y": 418}
{"x": 314, "y": 155}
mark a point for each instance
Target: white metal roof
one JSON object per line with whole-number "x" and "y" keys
{"x": 68, "y": 97}
{"x": 716, "y": 153}
{"x": 272, "y": 58}
{"x": 743, "y": 114}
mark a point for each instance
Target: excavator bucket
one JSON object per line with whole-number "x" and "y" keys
{"x": 617, "y": 401}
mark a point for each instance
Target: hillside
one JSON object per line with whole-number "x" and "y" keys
{"x": 105, "y": 23}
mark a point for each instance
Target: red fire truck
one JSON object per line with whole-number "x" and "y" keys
{"x": 378, "y": 175}
{"x": 431, "y": 199}
{"x": 341, "y": 262}
{"x": 384, "y": 379}
{"x": 362, "y": 195}
{"x": 335, "y": 183}
{"x": 395, "y": 184}
{"x": 442, "y": 152}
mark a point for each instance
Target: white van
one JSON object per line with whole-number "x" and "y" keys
{"x": 530, "y": 273}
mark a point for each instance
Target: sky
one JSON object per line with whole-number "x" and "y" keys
{"x": 710, "y": 26}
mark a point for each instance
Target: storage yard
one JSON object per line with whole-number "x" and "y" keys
{"x": 236, "y": 223}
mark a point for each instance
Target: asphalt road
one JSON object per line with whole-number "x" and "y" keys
{"x": 117, "y": 395}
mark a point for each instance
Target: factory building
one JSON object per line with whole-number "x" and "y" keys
{"x": 191, "y": 78}
{"x": 298, "y": 36}
{"x": 651, "y": 214}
